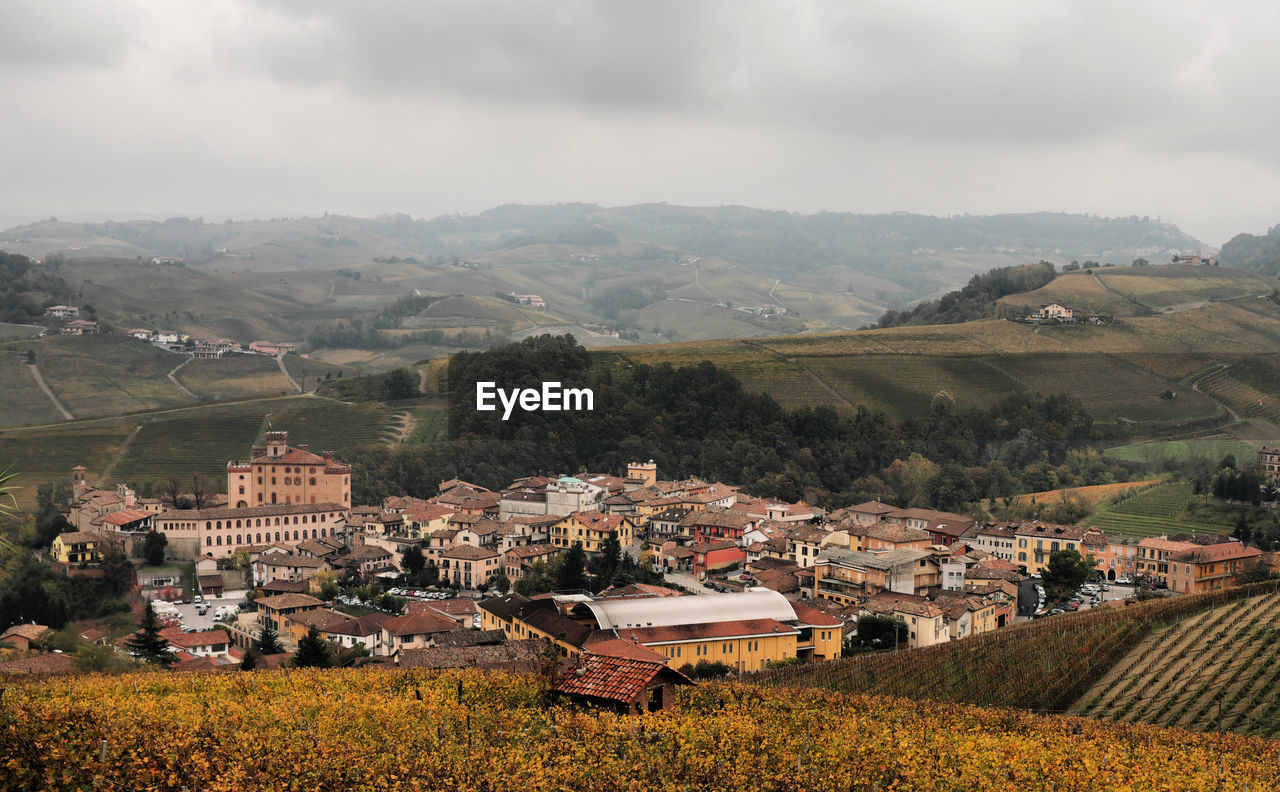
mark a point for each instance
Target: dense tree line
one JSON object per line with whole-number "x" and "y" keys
{"x": 26, "y": 288}
{"x": 409, "y": 305}
{"x": 356, "y": 334}
{"x": 1257, "y": 253}
{"x": 391, "y": 385}
{"x": 976, "y": 300}
{"x": 698, "y": 420}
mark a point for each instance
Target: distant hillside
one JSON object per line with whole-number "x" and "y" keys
{"x": 977, "y": 300}
{"x": 648, "y": 273}
{"x": 1250, "y": 252}
{"x": 1135, "y": 291}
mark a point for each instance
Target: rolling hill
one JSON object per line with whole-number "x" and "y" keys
{"x": 654, "y": 272}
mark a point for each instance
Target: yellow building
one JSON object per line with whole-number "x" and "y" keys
{"x": 592, "y": 528}
{"x": 78, "y": 547}
{"x": 279, "y": 474}
{"x": 1210, "y": 567}
{"x": 1036, "y": 542}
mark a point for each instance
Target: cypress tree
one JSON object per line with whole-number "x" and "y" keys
{"x": 147, "y": 644}
{"x": 313, "y": 651}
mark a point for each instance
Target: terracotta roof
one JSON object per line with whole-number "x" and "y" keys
{"x": 504, "y": 607}
{"x": 30, "y": 631}
{"x": 126, "y": 516}
{"x": 710, "y": 547}
{"x": 38, "y": 664}
{"x": 1217, "y": 552}
{"x": 369, "y": 624}
{"x": 615, "y": 678}
{"x": 469, "y": 637}
{"x": 79, "y": 537}
{"x": 253, "y": 511}
{"x": 283, "y": 601}
{"x": 423, "y": 623}
{"x": 287, "y": 586}
{"x": 510, "y": 656}
{"x": 211, "y": 581}
{"x": 604, "y": 642}
{"x": 872, "y": 507}
{"x": 469, "y": 553}
{"x": 812, "y": 617}
{"x": 291, "y": 560}
{"x": 453, "y": 607}
{"x": 291, "y": 456}
{"x": 1050, "y": 531}
{"x": 186, "y": 640}
{"x": 897, "y": 534}
{"x": 709, "y": 631}
{"x": 322, "y": 619}
{"x": 719, "y": 518}
{"x": 638, "y": 590}
{"x": 532, "y": 551}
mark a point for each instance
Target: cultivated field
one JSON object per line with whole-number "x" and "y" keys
{"x": 904, "y": 385}
{"x": 108, "y": 375}
{"x": 179, "y": 442}
{"x": 378, "y": 729}
{"x": 234, "y": 376}
{"x": 1218, "y": 670}
{"x": 21, "y": 400}
{"x": 11, "y": 332}
{"x": 1210, "y": 449}
{"x": 1046, "y": 664}
{"x": 1091, "y": 495}
{"x": 1155, "y": 511}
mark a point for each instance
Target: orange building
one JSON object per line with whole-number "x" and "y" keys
{"x": 278, "y": 473}
{"x": 1210, "y": 567}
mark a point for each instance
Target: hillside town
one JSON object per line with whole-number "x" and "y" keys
{"x": 474, "y": 577}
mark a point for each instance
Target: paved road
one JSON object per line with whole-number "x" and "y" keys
{"x": 688, "y": 581}
{"x": 1028, "y": 598}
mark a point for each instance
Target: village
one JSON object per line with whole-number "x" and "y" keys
{"x": 734, "y": 584}
{"x": 67, "y": 320}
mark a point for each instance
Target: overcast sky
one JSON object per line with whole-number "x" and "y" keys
{"x": 429, "y": 107}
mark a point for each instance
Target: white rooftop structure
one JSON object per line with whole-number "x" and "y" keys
{"x": 756, "y": 603}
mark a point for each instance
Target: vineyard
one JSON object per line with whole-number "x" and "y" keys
{"x": 1249, "y": 387}
{"x": 384, "y": 729}
{"x": 1040, "y": 665}
{"x": 21, "y": 400}
{"x": 44, "y": 455}
{"x": 97, "y": 376}
{"x": 1153, "y": 512}
{"x": 1091, "y": 494}
{"x": 233, "y": 377}
{"x": 1216, "y": 671}
{"x": 904, "y": 385}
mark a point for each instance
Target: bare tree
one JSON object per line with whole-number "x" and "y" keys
{"x": 172, "y": 489}
{"x": 202, "y": 490}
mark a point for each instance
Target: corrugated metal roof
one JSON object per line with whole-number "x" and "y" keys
{"x": 669, "y": 611}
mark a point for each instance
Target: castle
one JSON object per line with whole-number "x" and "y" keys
{"x": 279, "y": 474}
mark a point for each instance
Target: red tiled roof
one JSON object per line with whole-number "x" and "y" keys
{"x": 603, "y": 642}
{"x": 613, "y": 678}
{"x": 711, "y": 631}
{"x": 423, "y": 623}
{"x": 281, "y": 601}
{"x": 185, "y": 640}
{"x": 126, "y": 516}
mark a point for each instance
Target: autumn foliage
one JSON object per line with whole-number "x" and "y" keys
{"x": 363, "y": 729}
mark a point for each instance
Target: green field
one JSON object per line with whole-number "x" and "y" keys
{"x": 233, "y": 377}
{"x": 10, "y": 332}
{"x": 177, "y": 443}
{"x": 1211, "y": 449}
{"x": 47, "y": 454}
{"x": 1156, "y": 511}
{"x": 105, "y": 375}
{"x": 904, "y": 385}
{"x": 21, "y": 400}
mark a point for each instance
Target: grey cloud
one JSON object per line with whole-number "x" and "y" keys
{"x": 42, "y": 33}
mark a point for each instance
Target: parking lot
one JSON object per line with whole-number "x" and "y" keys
{"x": 189, "y": 614}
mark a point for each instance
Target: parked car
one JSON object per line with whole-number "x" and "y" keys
{"x": 1073, "y": 605}
{"x": 1056, "y": 611}
{"x": 202, "y": 608}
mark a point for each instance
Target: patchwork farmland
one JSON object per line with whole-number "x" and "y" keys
{"x": 1155, "y": 511}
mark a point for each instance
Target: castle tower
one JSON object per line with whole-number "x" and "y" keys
{"x": 78, "y": 485}
{"x": 643, "y": 471}
{"x": 277, "y": 443}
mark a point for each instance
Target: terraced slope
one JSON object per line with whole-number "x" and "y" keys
{"x": 1217, "y": 670}
{"x": 1153, "y": 512}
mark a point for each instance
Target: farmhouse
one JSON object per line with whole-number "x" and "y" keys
{"x": 532, "y": 300}
{"x": 271, "y": 348}
{"x": 1210, "y": 567}
{"x": 62, "y": 312}
{"x": 80, "y": 327}
{"x": 1066, "y": 314}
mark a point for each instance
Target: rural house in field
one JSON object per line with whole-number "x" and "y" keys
{"x": 1067, "y": 314}
{"x": 627, "y": 686}
{"x": 62, "y": 312}
{"x": 80, "y": 327}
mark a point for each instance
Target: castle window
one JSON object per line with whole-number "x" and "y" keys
{"x": 218, "y": 540}
{"x": 313, "y": 481}
{"x": 208, "y": 541}
{"x": 238, "y": 539}
{"x": 257, "y": 538}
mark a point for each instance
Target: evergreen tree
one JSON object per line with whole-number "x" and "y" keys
{"x": 250, "y": 660}
{"x": 412, "y": 561}
{"x": 313, "y": 651}
{"x": 500, "y": 583}
{"x": 154, "y": 546}
{"x": 573, "y": 574}
{"x": 268, "y": 643}
{"x": 605, "y": 565}
{"x": 147, "y": 645}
